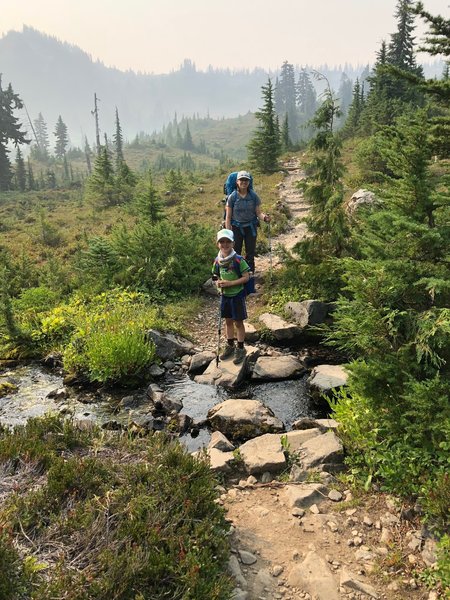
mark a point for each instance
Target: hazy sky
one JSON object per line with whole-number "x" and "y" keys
{"x": 157, "y": 35}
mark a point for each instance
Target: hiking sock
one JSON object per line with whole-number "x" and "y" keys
{"x": 240, "y": 344}
{"x": 231, "y": 342}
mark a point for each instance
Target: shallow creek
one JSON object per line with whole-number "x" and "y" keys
{"x": 289, "y": 400}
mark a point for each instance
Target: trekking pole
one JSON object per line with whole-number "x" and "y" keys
{"x": 219, "y": 322}
{"x": 269, "y": 239}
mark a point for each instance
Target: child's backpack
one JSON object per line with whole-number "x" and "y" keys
{"x": 249, "y": 287}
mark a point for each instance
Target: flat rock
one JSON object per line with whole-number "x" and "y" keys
{"x": 325, "y": 378}
{"x": 220, "y": 461}
{"x": 325, "y": 451}
{"x": 277, "y": 367}
{"x": 226, "y": 374}
{"x": 296, "y": 439}
{"x": 305, "y": 495}
{"x": 314, "y": 576}
{"x": 279, "y": 328}
{"x": 262, "y": 454}
{"x": 244, "y": 419}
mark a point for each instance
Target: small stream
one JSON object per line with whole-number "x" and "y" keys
{"x": 289, "y": 400}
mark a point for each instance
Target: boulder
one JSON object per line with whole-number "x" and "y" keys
{"x": 251, "y": 335}
{"x": 169, "y": 345}
{"x": 279, "y": 328}
{"x": 278, "y": 367}
{"x": 243, "y": 419}
{"x": 308, "y": 312}
{"x": 325, "y": 378}
{"x": 220, "y": 461}
{"x": 362, "y": 198}
{"x": 227, "y": 374}
{"x": 200, "y": 361}
{"x": 264, "y": 453}
{"x": 324, "y": 452}
{"x": 296, "y": 439}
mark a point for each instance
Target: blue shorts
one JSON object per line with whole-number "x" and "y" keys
{"x": 234, "y": 307}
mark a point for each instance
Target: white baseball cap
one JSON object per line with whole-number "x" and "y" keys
{"x": 243, "y": 175}
{"x": 225, "y": 233}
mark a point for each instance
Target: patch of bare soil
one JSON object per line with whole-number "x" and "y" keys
{"x": 365, "y": 541}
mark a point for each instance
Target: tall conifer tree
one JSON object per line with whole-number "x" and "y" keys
{"x": 21, "y": 174}
{"x": 264, "y": 147}
{"x": 10, "y": 131}
{"x": 62, "y": 139}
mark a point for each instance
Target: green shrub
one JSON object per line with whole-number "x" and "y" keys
{"x": 142, "y": 524}
{"x": 39, "y": 441}
{"x": 13, "y": 582}
{"x": 111, "y": 345}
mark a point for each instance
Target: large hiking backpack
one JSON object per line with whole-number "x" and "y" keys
{"x": 249, "y": 287}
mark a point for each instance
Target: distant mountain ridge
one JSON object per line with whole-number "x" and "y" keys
{"x": 56, "y": 78}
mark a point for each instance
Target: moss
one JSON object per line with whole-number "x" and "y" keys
{"x": 7, "y": 388}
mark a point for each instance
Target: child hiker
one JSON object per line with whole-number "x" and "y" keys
{"x": 231, "y": 273}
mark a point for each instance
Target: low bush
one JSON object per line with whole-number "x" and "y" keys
{"x": 142, "y": 523}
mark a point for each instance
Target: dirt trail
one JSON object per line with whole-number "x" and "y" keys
{"x": 203, "y": 328}
{"x": 270, "y": 540}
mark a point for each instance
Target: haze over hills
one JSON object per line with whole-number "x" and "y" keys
{"x": 55, "y": 78}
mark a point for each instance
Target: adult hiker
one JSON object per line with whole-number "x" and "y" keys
{"x": 243, "y": 212}
{"x": 231, "y": 272}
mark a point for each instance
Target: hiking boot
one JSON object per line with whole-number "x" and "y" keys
{"x": 239, "y": 355}
{"x": 227, "y": 353}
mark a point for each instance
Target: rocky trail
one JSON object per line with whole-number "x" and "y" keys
{"x": 328, "y": 545}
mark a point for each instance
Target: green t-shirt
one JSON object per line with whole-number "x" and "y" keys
{"x": 230, "y": 274}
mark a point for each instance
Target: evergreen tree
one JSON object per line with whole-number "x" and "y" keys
{"x": 306, "y": 96}
{"x": 188, "y": 144}
{"x": 286, "y": 105}
{"x": 401, "y": 47}
{"x": 32, "y": 185}
{"x": 394, "y": 318}
{"x": 352, "y": 122}
{"x": 285, "y": 138}
{"x": 264, "y": 148}
{"x": 345, "y": 95}
{"x": 10, "y": 131}
{"x": 380, "y": 107}
{"x": 118, "y": 142}
{"x": 278, "y": 97}
{"x": 43, "y": 145}
{"x": 148, "y": 201}
{"x": 306, "y": 102}
{"x": 178, "y": 139}
{"x": 87, "y": 154}
{"x": 100, "y": 261}
{"x": 21, "y": 175}
{"x": 62, "y": 139}
{"x": 100, "y": 187}
{"x": 327, "y": 223}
